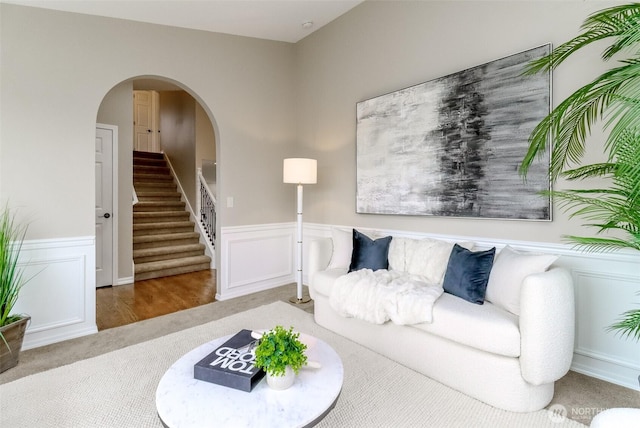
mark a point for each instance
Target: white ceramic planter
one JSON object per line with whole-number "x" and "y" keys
{"x": 281, "y": 382}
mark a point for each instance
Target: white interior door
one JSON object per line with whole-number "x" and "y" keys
{"x": 105, "y": 138}
{"x": 155, "y": 121}
{"x": 143, "y": 121}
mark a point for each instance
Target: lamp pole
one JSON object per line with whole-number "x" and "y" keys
{"x": 299, "y": 298}
{"x": 299, "y": 171}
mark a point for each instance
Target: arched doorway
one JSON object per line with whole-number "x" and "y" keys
{"x": 187, "y": 136}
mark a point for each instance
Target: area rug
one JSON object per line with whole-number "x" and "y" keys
{"x": 117, "y": 389}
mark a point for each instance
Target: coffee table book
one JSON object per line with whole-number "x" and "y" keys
{"x": 231, "y": 364}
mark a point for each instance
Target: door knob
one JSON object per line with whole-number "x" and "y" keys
{"x": 148, "y": 130}
{"x": 106, "y": 215}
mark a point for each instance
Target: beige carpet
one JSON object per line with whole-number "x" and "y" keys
{"x": 117, "y": 389}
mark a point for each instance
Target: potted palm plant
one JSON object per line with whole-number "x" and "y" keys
{"x": 280, "y": 354}
{"x": 614, "y": 98}
{"x": 12, "y": 326}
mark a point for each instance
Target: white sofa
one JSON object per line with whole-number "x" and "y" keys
{"x": 505, "y": 360}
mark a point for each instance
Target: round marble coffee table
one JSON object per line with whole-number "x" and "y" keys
{"x": 184, "y": 402}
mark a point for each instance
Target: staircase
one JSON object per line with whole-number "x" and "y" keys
{"x": 164, "y": 240}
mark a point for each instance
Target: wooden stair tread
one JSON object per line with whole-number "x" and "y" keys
{"x": 152, "y": 214}
{"x": 152, "y": 155}
{"x": 169, "y": 272}
{"x": 142, "y": 217}
{"x": 137, "y": 160}
{"x": 146, "y": 252}
{"x": 165, "y": 224}
{"x": 172, "y": 263}
{"x": 160, "y": 203}
{"x": 155, "y": 186}
{"x": 143, "y": 176}
{"x": 165, "y": 237}
{"x": 158, "y": 194}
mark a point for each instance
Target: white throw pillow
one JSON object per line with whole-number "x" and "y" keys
{"x": 397, "y": 254}
{"x": 509, "y": 270}
{"x": 342, "y": 248}
{"x": 429, "y": 257}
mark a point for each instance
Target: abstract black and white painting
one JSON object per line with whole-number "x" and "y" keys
{"x": 452, "y": 146}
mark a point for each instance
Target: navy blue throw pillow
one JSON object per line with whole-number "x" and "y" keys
{"x": 368, "y": 253}
{"x": 467, "y": 273}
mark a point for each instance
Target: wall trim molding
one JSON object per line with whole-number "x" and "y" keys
{"x": 61, "y": 296}
{"x": 125, "y": 280}
{"x": 255, "y": 258}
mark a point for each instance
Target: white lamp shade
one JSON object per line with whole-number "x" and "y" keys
{"x": 300, "y": 171}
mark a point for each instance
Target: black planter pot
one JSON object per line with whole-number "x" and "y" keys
{"x": 13, "y": 335}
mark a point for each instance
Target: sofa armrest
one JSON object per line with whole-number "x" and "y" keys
{"x": 320, "y": 251}
{"x": 547, "y": 326}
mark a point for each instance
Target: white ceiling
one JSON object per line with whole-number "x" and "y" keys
{"x": 265, "y": 19}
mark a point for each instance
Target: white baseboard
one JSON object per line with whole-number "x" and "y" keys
{"x": 125, "y": 280}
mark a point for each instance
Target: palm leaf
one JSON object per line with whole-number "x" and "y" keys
{"x": 589, "y": 171}
{"x": 623, "y": 116}
{"x": 604, "y": 209}
{"x": 626, "y": 21}
{"x": 612, "y": 97}
{"x": 593, "y": 244}
{"x": 569, "y": 124}
{"x": 621, "y": 22}
{"x": 628, "y": 325}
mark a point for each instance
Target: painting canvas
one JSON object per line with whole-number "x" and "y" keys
{"x": 452, "y": 146}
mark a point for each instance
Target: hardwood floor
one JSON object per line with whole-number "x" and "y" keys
{"x": 126, "y": 304}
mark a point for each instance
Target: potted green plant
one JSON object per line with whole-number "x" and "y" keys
{"x": 614, "y": 96}
{"x": 12, "y": 326}
{"x": 280, "y": 354}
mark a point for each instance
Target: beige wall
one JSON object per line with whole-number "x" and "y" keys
{"x": 205, "y": 137}
{"x": 117, "y": 109}
{"x": 267, "y": 100}
{"x": 178, "y": 130}
{"x": 380, "y": 47}
{"x": 57, "y": 68}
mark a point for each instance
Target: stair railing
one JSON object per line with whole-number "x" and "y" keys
{"x": 207, "y": 208}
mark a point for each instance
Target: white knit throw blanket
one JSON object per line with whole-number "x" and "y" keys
{"x": 384, "y": 295}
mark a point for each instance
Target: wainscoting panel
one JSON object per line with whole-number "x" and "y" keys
{"x": 60, "y": 297}
{"x": 256, "y": 258}
{"x": 605, "y": 288}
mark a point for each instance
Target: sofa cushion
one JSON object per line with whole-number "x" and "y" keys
{"x": 486, "y": 327}
{"x": 397, "y": 254}
{"x": 509, "y": 270}
{"x": 429, "y": 257}
{"x": 342, "y": 248}
{"x": 324, "y": 280}
{"x": 369, "y": 253}
{"x": 467, "y": 273}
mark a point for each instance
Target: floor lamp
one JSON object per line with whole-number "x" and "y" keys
{"x": 299, "y": 171}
